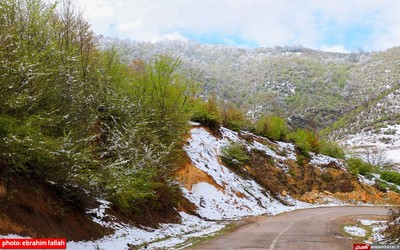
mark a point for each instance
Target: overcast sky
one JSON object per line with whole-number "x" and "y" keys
{"x": 332, "y": 25}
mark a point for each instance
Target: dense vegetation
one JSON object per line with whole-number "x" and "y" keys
{"x": 76, "y": 116}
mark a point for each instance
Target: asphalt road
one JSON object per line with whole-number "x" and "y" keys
{"x": 316, "y": 228}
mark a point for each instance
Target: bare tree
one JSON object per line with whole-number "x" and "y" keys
{"x": 375, "y": 156}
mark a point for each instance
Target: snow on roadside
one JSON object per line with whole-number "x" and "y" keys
{"x": 377, "y": 227}
{"x": 237, "y": 197}
{"x": 366, "y": 222}
{"x": 168, "y": 235}
{"x": 355, "y": 231}
{"x": 233, "y": 197}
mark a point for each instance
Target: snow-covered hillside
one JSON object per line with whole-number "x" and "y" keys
{"x": 229, "y": 195}
{"x": 375, "y": 132}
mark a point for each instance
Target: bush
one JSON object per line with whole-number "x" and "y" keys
{"x": 234, "y": 118}
{"x": 234, "y": 153}
{"x": 391, "y": 176}
{"x": 207, "y": 113}
{"x": 272, "y": 127}
{"x": 358, "y": 166}
{"x": 305, "y": 141}
{"x": 332, "y": 149}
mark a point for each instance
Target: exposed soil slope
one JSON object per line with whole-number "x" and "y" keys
{"x": 38, "y": 209}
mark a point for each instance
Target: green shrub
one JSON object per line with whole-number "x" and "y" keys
{"x": 207, "y": 113}
{"x": 381, "y": 185}
{"x": 391, "y": 176}
{"x": 272, "y": 127}
{"x": 332, "y": 149}
{"x": 234, "y": 118}
{"x": 234, "y": 153}
{"x": 305, "y": 141}
{"x": 358, "y": 166}
{"x": 301, "y": 159}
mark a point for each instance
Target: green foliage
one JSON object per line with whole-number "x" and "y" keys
{"x": 74, "y": 115}
{"x": 332, "y": 149}
{"x": 391, "y": 176}
{"x": 272, "y": 127}
{"x": 301, "y": 159}
{"x": 234, "y": 118}
{"x": 207, "y": 113}
{"x": 234, "y": 153}
{"x": 381, "y": 185}
{"x": 305, "y": 141}
{"x": 358, "y": 166}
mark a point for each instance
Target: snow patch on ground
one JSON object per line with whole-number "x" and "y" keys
{"x": 386, "y": 141}
{"x": 377, "y": 226}
{"x": 355, "y": 231}
{"x": 366, "y": 222}
{"x": 323, "y": 160}
{"x": 365, "y": 180}
{"x": 168, "y": 235}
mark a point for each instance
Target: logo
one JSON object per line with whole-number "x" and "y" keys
{"x": 361, "y": 247}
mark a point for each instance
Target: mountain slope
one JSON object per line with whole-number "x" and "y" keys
{"x": 375, "y": 130}
{"x": 309, "y": 87}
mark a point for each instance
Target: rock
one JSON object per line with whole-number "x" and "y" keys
{"x": 284, "y": 193}
{"x": 314, "y": 194}
{"x": 327, "y": 192}
{"x": 310, "y": 197}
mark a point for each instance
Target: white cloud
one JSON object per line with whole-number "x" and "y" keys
{"x": 311, "y": 23}
{"x": 334, "y": 48}
{"x": 130, "y": 25}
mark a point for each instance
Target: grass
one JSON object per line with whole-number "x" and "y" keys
{"x": 357, "y": 223}
{"x": 368, "y": 229}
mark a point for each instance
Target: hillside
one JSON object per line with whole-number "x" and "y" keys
{"x": 308, "y": 87}
{"x": 373, "y": 130}
{"x": 271, "y": 181}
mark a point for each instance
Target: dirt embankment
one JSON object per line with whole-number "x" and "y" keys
{"x": 33, "y": 208}
{"x": 299, "y": 179}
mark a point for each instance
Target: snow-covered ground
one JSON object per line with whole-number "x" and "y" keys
{"x": 377, "y": 226}
{"x": 238, "y": 197}
{"x": 167, "y": 236}
{"x": 383, "y": 146}
{"x": 355, "y": 231}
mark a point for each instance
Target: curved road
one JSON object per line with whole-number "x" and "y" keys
{"x": 316, "y": 228}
